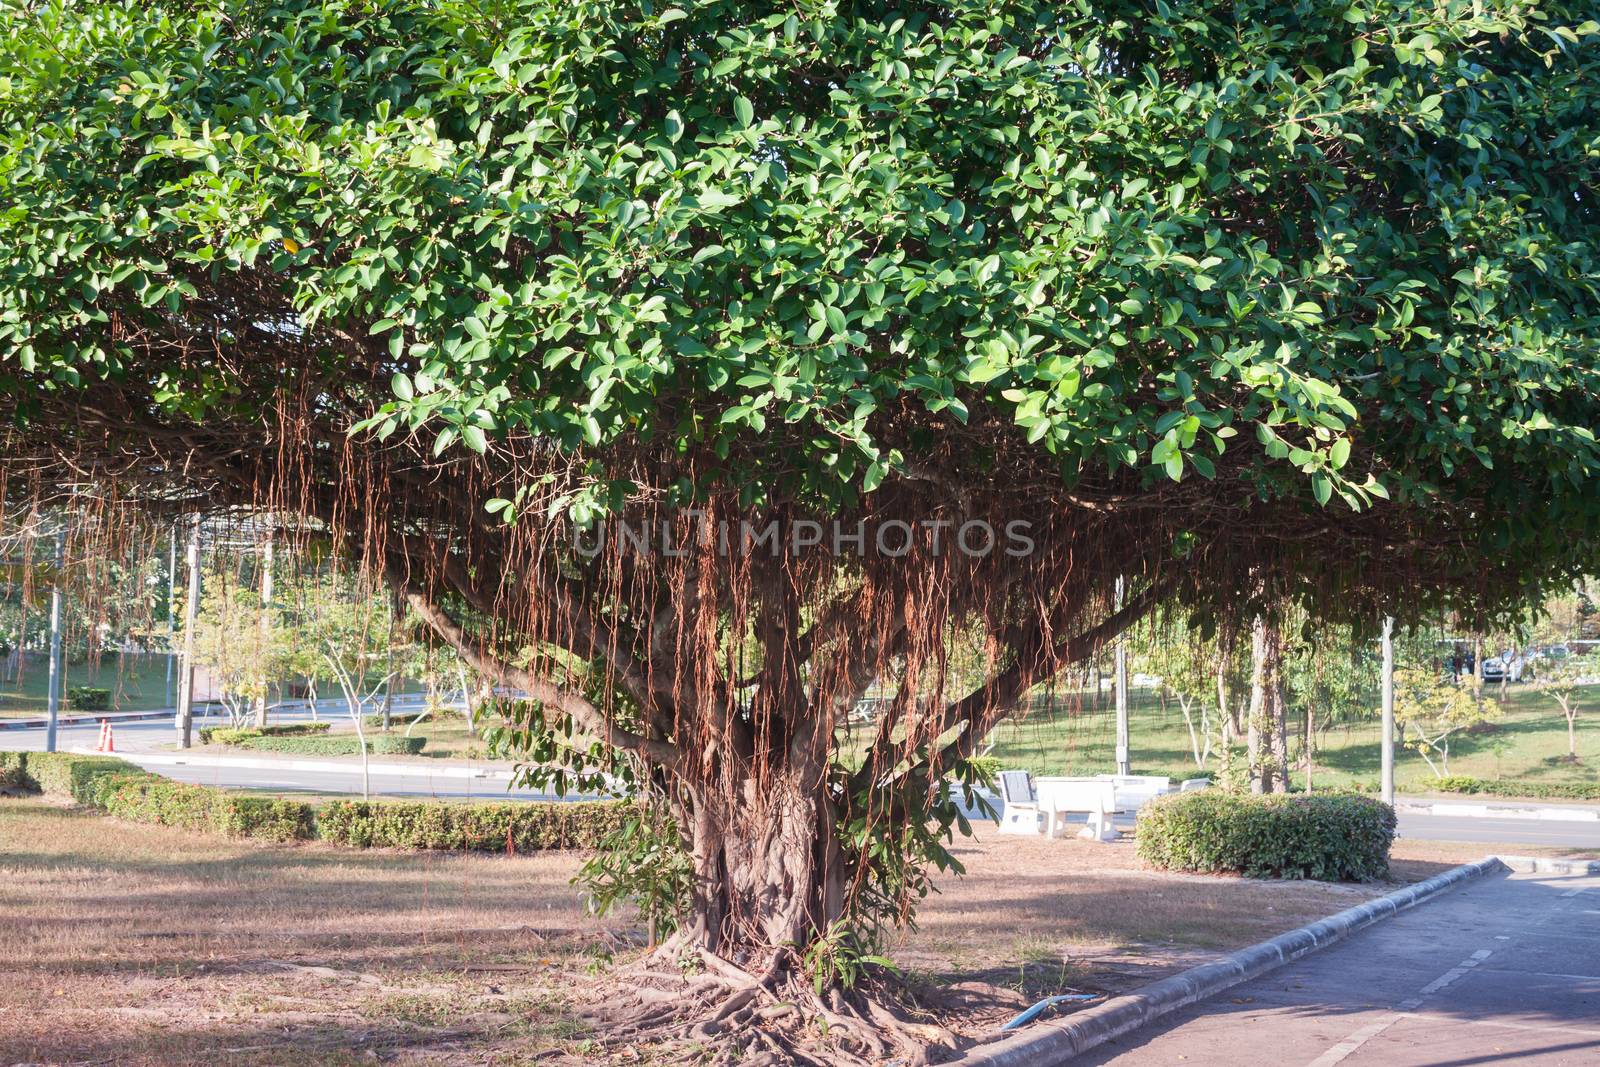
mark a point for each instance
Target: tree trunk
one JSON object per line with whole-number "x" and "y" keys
{"x": 768, "y": 868}
{"x": 1280, "y": 718}
{"x": 1572, "y": 732}
{"x": 1263, "y": 675}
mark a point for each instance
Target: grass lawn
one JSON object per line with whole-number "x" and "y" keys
{"x": 137, "y": 683}
{"x": 1528, "y": 741}
{"x": 134, "y": 944}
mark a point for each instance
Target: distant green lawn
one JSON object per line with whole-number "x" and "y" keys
{"x": 1077, "y": 735}
{"x": 137, "y": 683}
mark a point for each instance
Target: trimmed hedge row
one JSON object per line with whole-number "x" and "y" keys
{"x": 1333, "y": 837}
{"x": 88, "y": 698}
{"x": 120, "y": 788}
{"x": 1500, "y": 787}
{"x": 468, "y": 827}
{"x": 337, "y": 745}
{"x": 230, "y": 735}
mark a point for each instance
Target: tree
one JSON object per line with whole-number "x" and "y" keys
{"x": 1437, "y": 708}
{"x": 1563, "y": 680}
{"x": 673, "y": 363}
{"x": 242, "y": 657}
{"x": 1187, "y": 665}
{"x": 355, "y": 641}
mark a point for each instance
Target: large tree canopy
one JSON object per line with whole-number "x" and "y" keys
{"x": 1231, "y": 301}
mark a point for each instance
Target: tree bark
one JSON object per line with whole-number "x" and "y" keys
{"x": 768, "y": 869}
{"x": 1267, "y": 741}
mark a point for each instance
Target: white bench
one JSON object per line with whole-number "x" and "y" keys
{"x": 1021, "y": 814}
{"x": 1134, "y": 791}
{"x": 1094, "y": 797}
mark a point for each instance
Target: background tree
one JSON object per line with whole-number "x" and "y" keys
{"x": 1187, "y": 665}
{"x": 1234, "y": 305}
{"x": 1436, "y": 709}
{"x": 242, "y": 659}
{"x": 1562, "y": 679}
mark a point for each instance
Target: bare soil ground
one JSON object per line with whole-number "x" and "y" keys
{"x": 128, "y": 944}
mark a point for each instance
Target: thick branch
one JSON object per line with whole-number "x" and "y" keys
{"x": 569, "y": 701}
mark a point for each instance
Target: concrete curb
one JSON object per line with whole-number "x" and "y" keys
{"x": 407, "y": 770}
{"x": 1546, "y": 865}
{"x": 1491, "y": 811}
{"x": 1059, "y": 1040}
{"x": 83, "y": 719}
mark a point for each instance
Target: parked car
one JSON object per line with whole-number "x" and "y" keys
{"x": 1507, "y": 666}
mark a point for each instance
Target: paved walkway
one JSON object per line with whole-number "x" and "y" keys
{"x": 1506, "y": 970}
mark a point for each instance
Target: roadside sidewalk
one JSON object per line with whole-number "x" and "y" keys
{"x": 1500, "y": 809}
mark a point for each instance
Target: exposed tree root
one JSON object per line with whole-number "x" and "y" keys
{"x": 721, "y": 1014}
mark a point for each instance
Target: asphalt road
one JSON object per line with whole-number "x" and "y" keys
{"x": 1504, "y": 970}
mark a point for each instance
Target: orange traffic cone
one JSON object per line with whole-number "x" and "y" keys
{"x": 107, "y": 743}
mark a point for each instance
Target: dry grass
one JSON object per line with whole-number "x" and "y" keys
{"x": 130, "y": 944}
{"x": 133, "y": 944}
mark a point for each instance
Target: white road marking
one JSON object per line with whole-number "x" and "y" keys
{"x": 1554, "y": 1028}
{"x": 1340, "y": 1052}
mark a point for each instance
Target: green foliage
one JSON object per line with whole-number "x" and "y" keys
{"x": 334, "y": 745}
{"x": 1461, "y": 783}
{"x": 641, "y": 861}
{"x": 1352, "y": 241}
{"x": 506, "y": 827}
{"x": 89, "y": 698}
{"x": 405, "y": 718}
{"x": 227, "y": 735}
{"x": 66, "y": 776}
{"x": 153, "y": 799}
{"x": 122, "y": 789}
{"x": 837, "y": 958}
{"x": 1435, "y": 707}
{"x": 1332, "y": 837}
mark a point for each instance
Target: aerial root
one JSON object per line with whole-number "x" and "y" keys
{"x": 726, "y": 1014}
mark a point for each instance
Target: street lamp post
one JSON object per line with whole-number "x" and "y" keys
{"x": 53, "y": 694}
{"x": 1387, "y": 747}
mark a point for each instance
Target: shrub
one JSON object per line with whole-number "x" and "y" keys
{"x": 88, "y": 698}
{"x": 65, "y": 776}
{"x": 225, "y": 735}
{"x": 1500, "y": 787}
{"x": 469, "y": 827}
{"x": 152, "y": 799}
{"x": 120, "y": 788}
{"x": 337, "y": 745}
{"x": 1333, "y": 837}
{"x": 406, "y": 718}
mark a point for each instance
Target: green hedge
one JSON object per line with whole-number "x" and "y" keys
{"x": 337, "y": 745}
{"x": 468, "y": 827}
{"x": 152, "y": 799}
{"x": 405, "y": 719}
{"x": 1501, "y": 787}
{"x": 1333, "y": 836}
{"x": 227, "y": 735}
{"x": 120, "y": 788}
{"x": 88, "y": 698}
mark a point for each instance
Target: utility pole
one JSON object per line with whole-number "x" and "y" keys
{"x": 1388, "y": 711}
{"x": 53, "y": 693}
{"x": 186, "y": 668}
{"x": 266, "y": 614}
{"x": 1123, "y": 767}
{"x": 172, "y": 609}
